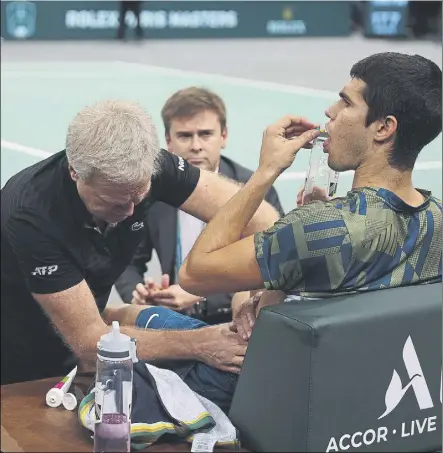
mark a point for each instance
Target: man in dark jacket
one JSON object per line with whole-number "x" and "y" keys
{"x": 135, "y": 7}
{"x": 195, "y": 129}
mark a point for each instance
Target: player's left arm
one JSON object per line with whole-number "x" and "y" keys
{"x": 221, "y": 261}
{"x": 213, "y": 191}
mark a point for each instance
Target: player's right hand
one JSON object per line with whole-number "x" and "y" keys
{"x": 282, "y": 141}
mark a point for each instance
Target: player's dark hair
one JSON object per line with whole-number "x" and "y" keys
{"x": 408, "y": 87}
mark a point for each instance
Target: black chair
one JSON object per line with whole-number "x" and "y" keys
{"x": 355, "y": 373}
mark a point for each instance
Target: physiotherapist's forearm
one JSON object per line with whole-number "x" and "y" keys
{"x": 152, "y": 345}
{"x": 167, "y": 344}
{"x": 156, "y": 344}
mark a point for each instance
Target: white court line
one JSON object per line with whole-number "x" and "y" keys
{"x": 25, "y": 149}
{"x": 239, "y": 81}
{"x": 62, "y": 75}
{"x": 288, "y": 176}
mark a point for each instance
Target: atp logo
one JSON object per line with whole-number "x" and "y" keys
{"x": 417, "y": 381}
{"x": 45, "y": 270}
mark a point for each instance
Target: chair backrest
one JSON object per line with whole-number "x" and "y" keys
{"x": 355, "y": 373}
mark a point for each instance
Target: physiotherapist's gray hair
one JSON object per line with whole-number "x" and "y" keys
{"x": 114, "y": 139}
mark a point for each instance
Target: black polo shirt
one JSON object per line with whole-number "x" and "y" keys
{"x": 49, "y": 244}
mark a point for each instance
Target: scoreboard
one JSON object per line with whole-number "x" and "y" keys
{"x": 386, "y": 18}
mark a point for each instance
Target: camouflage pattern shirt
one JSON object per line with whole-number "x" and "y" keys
{"x": 368, "y": 240}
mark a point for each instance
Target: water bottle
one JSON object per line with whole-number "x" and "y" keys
{"x": 321, "y": 181}
{"x": 113, "y": 391}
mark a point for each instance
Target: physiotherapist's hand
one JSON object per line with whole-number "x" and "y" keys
{"x": 281, "y": 142}
{"x": 175, "y": 297}
{"x": 221, "y": 348}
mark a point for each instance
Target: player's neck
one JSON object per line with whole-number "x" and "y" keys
{"x": 386, "y": 177}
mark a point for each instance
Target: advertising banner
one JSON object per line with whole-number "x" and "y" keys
{"x": 85, "y": 20}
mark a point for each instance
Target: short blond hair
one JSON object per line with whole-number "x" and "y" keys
{"x": 189, "y": 101}
{"x": 115, "y": 139}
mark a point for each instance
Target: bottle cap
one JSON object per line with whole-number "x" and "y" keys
{"x": 69, "y": 401}
{"x": 114, "y": 345}
{"x": 323, "y": 133}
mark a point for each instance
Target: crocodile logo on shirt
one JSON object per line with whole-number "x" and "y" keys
{"x": 137, "y": 226}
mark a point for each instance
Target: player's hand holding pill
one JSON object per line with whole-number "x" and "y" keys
{"x": 281, "y": 142}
